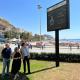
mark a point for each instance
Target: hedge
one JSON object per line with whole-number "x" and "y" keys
{"x": 52, "y": 57}
{"x": 72, "y": 58}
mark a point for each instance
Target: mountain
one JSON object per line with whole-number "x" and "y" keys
{"x": 5, "y": 25}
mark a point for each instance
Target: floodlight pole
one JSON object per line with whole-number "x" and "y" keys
{"x": 39, "y": 8}
{"x": 57, "y": 47}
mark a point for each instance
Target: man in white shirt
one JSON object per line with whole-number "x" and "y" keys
{"x": 25, "y": 56}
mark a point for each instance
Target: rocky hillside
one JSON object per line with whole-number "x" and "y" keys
{"x": 5, "y": 24}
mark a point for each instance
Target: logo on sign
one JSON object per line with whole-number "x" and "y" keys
{"x": 51, "y": 21}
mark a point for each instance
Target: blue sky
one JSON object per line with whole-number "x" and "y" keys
{"x": 24, "y": 14}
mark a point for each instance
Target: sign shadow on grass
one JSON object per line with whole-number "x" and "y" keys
{"x": 42, "y": 70}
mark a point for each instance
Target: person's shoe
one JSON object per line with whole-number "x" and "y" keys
{"x": 2, "y": 76}
{"x": 7, "y": 74}
{"x": 29, "y": 72}
{"x": 16, "y": 76}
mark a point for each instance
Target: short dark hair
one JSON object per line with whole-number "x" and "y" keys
{"x": 22, "y": 44}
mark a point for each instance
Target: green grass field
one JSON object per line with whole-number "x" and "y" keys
{"x": 36, "y": 67}
{"x": 46, "y": 70}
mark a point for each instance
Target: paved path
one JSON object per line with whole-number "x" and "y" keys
{"x": 51, "y": 49}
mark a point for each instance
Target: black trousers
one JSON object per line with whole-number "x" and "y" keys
{"x": 16, "y": 66}
{"x": 26, "y": 59}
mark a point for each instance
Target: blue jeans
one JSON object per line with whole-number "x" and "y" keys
{"x": 6, "y": 64}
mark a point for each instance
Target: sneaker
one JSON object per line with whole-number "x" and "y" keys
{"x": 2, "y": 76}
{"x": 16, "y": 76}
{"x": 29, "y": 72}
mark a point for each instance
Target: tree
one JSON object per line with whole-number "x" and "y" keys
{"x": 26, "y": 36}
{"x": 7, "y": 34}
{"x": 11, "y": 34}
{"x": 36, "y": 37}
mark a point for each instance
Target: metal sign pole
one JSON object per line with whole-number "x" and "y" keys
{"x": 57, "y": 47}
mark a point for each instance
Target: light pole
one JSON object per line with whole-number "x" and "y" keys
{"x": 39, "y": 8}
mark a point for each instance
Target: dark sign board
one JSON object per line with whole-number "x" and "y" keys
{"x": 58, "y": 16}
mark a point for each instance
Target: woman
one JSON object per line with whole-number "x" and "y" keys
{"x": 16, "y": 64}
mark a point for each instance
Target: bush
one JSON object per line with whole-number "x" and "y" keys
{"x": 53, "y": 57}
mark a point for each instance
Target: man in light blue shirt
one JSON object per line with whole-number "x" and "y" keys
{"x": 25, "y": 56}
